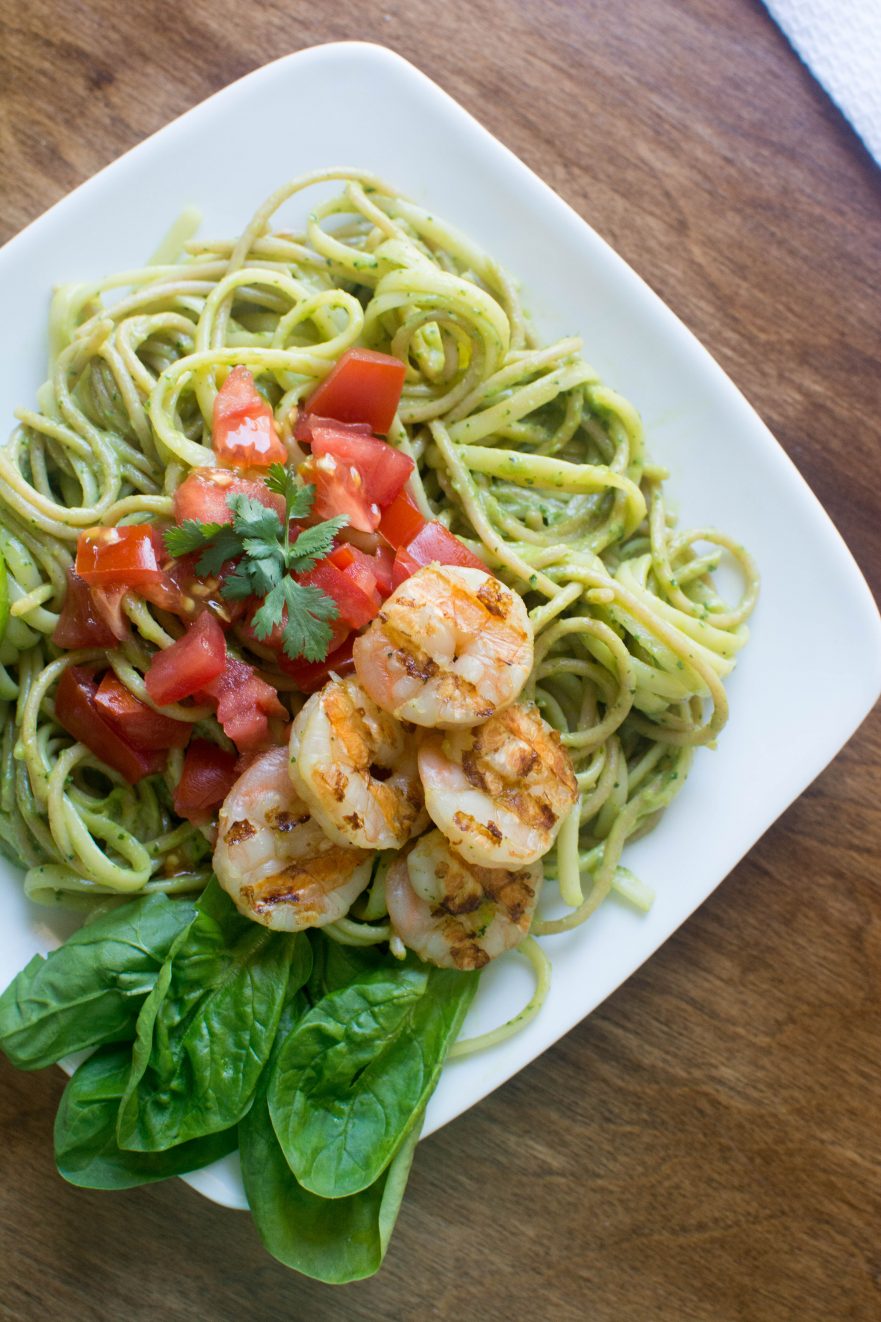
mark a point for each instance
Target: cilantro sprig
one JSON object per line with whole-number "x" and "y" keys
{"x": 267, "y": 560}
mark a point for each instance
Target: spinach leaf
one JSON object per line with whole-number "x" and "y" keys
{"x": 206, "y": 1029}
{"x": 90, "y": 990}
{"x": 332, "y": 1240}
{"x": 335, "y": 965}
{"x": 352, "y": 1076}
{"x": 86, "y": 1151}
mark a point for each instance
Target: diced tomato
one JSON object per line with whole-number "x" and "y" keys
{"x": 118, "y": 557}
{"x": 382, "y": 567}
{"x": 436, "y": 542}
{"x": 339, "y": 489}
{"x": 202, "y": 495}
{"x": 404, "y": 565}
{"x": 244, "y": 704}
{"x": 401, "y": 521}
{"x": 433, "y": 543}
{"x": 243, "y": 431}
{"x": 310, "y": 676}
{"x": 80, "y": 623}
{"x": 356, "y": 564}
{"x": 364, "y": 386}
{"x": 306, "y": 421}
{"x": 108, "y": 604}
{"x": 77, "y": 711}
{"x": 208, "y": 775}
{"x": 356, "y": 605}
{"x": 383, "y": 469}
{"x": 189, "y": 664}
{"x": 140, "y": 726}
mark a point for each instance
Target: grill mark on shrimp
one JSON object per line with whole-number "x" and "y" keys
{"x": 465, "y": 822}
{"x": 239, "y": 832}
{"x": 492, "y": 597}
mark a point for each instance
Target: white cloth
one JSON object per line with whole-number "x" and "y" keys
{"x": 840, "y": 42}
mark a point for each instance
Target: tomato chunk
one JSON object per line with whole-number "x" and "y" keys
{"x": 80, "y": 623}
{"x": 383, "y": 562}
{"x": 306, "y": 421}
{"x": 310, "y": 676}
{"x": 243, "y": 432}
{"x": 357, "y": 604}
{"x": 339, "y": 489}
{"x": 77, "y": 711}
{"x": 118, "y": 557}
{"x": 202, "y": 495}
{"x": 140, "y": 726}
{"x": 208, "y": 775}
{"x": 401, "y": 521}
{"x": 189, "y": 664}
{"x": 383, "y": 469}
{"x": 244, "y": 704}
{"x": 357, "y": 565}
{"x": 364, "y": 386}
{"x": 433, "y": 543}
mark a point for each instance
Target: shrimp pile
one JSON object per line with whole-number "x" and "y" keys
{"x": 429, "y": 730}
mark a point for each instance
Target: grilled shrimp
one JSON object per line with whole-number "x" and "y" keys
{"x": 456, "y": 914}
{"x": 273, "y": 859}
{"x": 450, "y": 646}
{"x": 500, "y": 791}
{"x": 356, "y": 768}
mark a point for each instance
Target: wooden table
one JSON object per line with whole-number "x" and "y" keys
{"x": 708, "y": 1144}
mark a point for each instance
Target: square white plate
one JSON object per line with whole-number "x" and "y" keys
{"x": 377, "y": 112}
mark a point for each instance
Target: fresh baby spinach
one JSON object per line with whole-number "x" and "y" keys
{"x": 86, "y": 1151}
{"x": 90, "y": 990}
{"x": 355, "y": 1072}
{"x": 332, "y": 1240}
{"x": 205, "y": 1031}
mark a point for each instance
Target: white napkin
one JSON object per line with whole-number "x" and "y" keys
{"x": 840, "y": 42}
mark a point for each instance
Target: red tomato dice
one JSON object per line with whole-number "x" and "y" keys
{"x": 77, "y": 711}
{"x": 364, "y": 386}
{"x": 202, "y": 495}
{"x": 189, "y": 664}
{"x": 208, "y": 775}
{"x": 383, "y": 470}
{"x": 401, "y": 521}
{"x": 80, "y": 623}
{"x": 244, "y": 704}
{"x": 243, "y": 432}
{"x": 339, "y": 489}
{"x": 140, "y": 726}
{"x": 356, "y": 602}
{"x": 306, "y": 421}
{"x": 118, "y": 557}
{"x": 435, "y": 542}
{"x": 310, "y": 676}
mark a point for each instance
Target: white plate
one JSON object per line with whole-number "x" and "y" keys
{"x": 796, "y": 697}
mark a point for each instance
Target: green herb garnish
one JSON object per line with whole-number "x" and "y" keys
{"x": 267, "y": 562}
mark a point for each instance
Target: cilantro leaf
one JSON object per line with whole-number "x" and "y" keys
{"x": 314, "y": 544}
{"x": 226, "y": 545}
{"x": 306, "y": 632}
{"x": 271, "y": 613}
{"x": 253, "y": 519}
{"x": 189, "y": 536}
{"x": 297, "y": 497}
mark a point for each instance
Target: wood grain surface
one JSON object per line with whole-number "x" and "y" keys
{"x": 708, "y": 1144}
